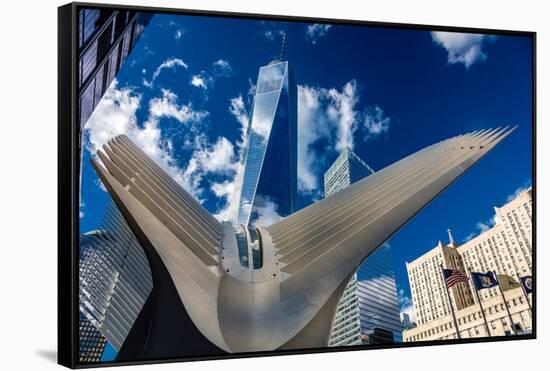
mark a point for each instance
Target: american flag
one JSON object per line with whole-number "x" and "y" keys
{"x": 453, "y": 276}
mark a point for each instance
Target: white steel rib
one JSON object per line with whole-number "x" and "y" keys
{"x": 306, "y": 259}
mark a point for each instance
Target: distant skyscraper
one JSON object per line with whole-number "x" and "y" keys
{"x": 347, "y": 169}
{"x": 370, "y": 300}
{"x": 115, "y": 278}
{"x": 91, "y": 343}
{"x": 106, "y": 37}
{"x": 406, "y": 322}
{"x": 267, "y": 186}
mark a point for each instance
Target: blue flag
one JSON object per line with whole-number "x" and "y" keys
{"x": 484, "y": 280}
{"x": 527, "y": 283}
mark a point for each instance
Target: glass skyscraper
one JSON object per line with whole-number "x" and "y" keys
{"x": 91, "y": 343}
{"x": 267, "y": 186}
{"x": 369, "y": 300}
{"x": 114, "y": 278}
{"x": 377, "y": 294}
{"x": 105, "y": 38}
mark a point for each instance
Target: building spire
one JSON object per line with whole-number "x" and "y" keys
{"x": 283, "y": 47}
{"x": 451, "y": 239}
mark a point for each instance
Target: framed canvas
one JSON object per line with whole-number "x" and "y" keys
{"x": 241, "y": 185}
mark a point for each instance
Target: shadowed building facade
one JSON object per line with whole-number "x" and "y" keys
{"x": 105, "y": 38}
{"x": 204, "y": 301}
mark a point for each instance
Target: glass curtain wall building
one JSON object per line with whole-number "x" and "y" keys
{"x": 91, "y": 343}
{"x": 115, "y": 278}
{"x": 378, "y": 305}
{"x": 267, "y": 189}
{"x": 106, "y": 37}
{"x": 370, "y": 299}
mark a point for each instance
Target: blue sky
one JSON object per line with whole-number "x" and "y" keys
{"x": 184, "y": 94}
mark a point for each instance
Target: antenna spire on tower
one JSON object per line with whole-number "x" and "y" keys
{"x": 283, "y": 46}
{"x": 451, "y": 239}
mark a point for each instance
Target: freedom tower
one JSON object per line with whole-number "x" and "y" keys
{"x": 266, "y": 187}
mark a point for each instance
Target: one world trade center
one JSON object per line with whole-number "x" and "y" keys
{"x": 266, "y": 187}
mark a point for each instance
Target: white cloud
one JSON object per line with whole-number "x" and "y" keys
{"x": 198, "y": 81}
{"x": 170, "y": 63}
{"x": 218, "y": 158}
{"x": 223, "y": 189}
{"x": 167, "y": 106}
{"x": 251, "y": 89}
{"x": 81, "y": 212}
{"x": 462, "y": 48}
{"x": 524, "y": 186}
{"x": 222, "y": 68}
{"x": 238, "y": 109}
{"x": 312, "y": 126}
{"x": 323, "y": 114}
{"x": 271, "y": 33}
{"x": 375, "y": 122}
{"x": 316, "y": 31}
{"x": 267, "y": 212}
{"x": 481, "y": 227}
{"x": 116, "y": 115}
{"x": 342, "y": 110}
{"x": 406, "y": 305}
{"x": 331, "y": 117}
{"x": 206, "y": 79}
{"x": 226, "y": 191}
{"x": 179, "y": 33}
{"x": 101, "y": 185}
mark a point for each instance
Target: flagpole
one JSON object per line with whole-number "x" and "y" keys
{"x": 450, "y": 302}
{"x": 523, "y": 290}
{"x": 526, "y": 296}
{"x": 479, "y": 302}
{"x": 505, "y": 304}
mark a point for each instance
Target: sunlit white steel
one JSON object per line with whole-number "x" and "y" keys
{"x": 307, "y": 258}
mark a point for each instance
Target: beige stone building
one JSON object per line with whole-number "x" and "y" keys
{"x": 471, "y": 324}
{"x": 428, "y": 287}
{"x": 505, "y": 248}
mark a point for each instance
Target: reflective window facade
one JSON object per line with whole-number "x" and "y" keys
{"x": 377, "y": 294}
{"x": 268, "y": 189}
{"x": 106, "y": 37}
{"x": 114, "y": 278}
{"x": 91, "y": 343}
{"x": 370, "y": 298}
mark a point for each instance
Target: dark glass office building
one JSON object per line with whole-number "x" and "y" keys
{"x": 267, "y": 188}
{"x": 106, "y": 37}
{"x": 91, "y": 343}
{"x": 370, "y": 299}
{"x": 377, "y": 293}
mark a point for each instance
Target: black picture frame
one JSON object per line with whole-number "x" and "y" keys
{"x": 68, "y": 179}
